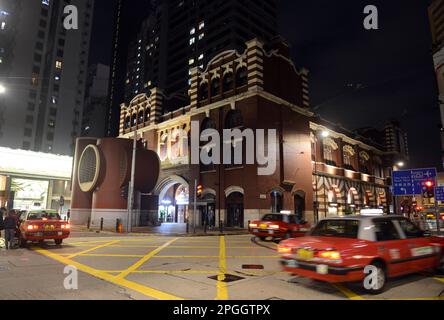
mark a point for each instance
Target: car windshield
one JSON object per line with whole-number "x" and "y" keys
{"x": 44, "y": 215}
{"x": 337, "y": 228}
{"x": 273, "y": 217}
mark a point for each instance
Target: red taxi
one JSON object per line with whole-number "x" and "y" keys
{"x": 40, "y": 225}
{"x": 343, "y": 249}
{"x": 277, "y": 225}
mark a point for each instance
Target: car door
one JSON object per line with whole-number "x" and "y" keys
{"x": 392, "y": 247}
{"x": 422, "y": 253}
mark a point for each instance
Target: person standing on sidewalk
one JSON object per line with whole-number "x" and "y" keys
{"x": 10, "y": 224}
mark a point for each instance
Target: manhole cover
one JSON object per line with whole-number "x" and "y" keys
{"x": 253, "y": 266}
{"x": 228, "y": 278}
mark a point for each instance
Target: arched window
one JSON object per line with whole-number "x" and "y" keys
{"x": 228, "y": 82}
{"x": 127, "y": 122}
{"x": 348, "y": 154}
{"x": 276, "y": 201}
{"x": 241, "y": 77}
{"x": 234, "y": 120}
{"x": 203, "y": 91}
{"x": 207, "y": 123}
{"x": 364, "y": 162}
{"x": 140, "y": 118}
{"x": 215, "y": 87}
{"x": 329, "y": 149}
{"x": 147, "y": 115}
{"x": 133, "y": 120}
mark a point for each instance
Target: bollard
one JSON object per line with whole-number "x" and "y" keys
{"x": 119, "y": 226}
{"x": 89, "y": 223}
{"x": 101, "y": 224}
{"x": 249, "y": 221}
{"x": 188, "y": 226}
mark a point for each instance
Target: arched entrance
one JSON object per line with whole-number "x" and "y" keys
{"x": 207, "y": 210}
{"x": 173, "y": 200}
{"x": 235, "y": 209}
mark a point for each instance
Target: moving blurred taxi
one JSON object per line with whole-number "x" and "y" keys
{"x": 339, "y": 250}
{"x": 40, "y": 225}
{"x": 279, "y": 226}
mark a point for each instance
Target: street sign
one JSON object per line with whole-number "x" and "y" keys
{"x": 412, "y": 182}
{"x": 402, "y": 183}
{"x": 439, "y": 193}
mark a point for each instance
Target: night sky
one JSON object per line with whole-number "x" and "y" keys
{"x": 392, "y": 66}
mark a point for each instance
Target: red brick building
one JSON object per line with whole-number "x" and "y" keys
{"x": 321, "y": 169}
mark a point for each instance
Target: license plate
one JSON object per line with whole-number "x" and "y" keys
{"x": 292, "y": 264}
{"x": 255, "y": 230}
{"x": 49, "y": 227}
{"x": 38, "y": 234}
{"x": 270, "y": 232}
{"x": 263, "y": 226}
{"x": 59, "y": 233}
{"x": 322, "y": 269}
{"x": 305, "y": 254}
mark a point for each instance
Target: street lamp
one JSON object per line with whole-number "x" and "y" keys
{"x": 401, "y": 164}
{"x": 2, "y": 89}
{"x": 325, "y": 134}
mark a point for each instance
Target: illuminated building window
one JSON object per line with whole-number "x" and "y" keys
{"x": 201, "y": 25}
{"x": 201, "y": 36}
{"x": 201, "y": 57}
{"x": 191, "y": 61}
{"x": 192, "y": 31}
{"x": 58, "y": 64}
{"x": 192, "y": 41}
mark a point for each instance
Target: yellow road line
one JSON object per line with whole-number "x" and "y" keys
{"x": 347, "y": 292}
{"x": 99, "y": 255}
{"x": 92, "y": 249}
{"x": 147, "y": 291}
{"x": 215, "y": 257}
{"x": 139, "y": 263}
{"x": 439, "y": 279}
{"x": 222, "y": 290}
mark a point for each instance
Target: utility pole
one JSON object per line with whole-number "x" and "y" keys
{"x": 131, "y": 186}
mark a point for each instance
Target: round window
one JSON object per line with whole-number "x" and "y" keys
{"x": 89, "y": 168}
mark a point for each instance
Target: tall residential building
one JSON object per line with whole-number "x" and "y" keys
{"x": 93, "y": 121}
{"x": 181, "y": 34}
{"x": 43, "y": 69}
{"x": 436, "y": 14}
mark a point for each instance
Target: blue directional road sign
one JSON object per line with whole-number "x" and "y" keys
{"x": 402, "y": 183}
{"x": 439, "y": 193}
{"x": 411, "y": 182}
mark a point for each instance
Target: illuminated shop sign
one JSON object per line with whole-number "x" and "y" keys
{"x": 30, "y": 163}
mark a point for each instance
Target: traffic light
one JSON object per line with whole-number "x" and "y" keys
{"x": 429, "y": 189}
{"x": 199, "y": 190}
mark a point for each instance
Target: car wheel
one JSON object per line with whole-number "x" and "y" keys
{"x": 23, "y": 243}
{"x": 381, "y": 280}
{"x": 263, "y": 238}
{"x": 58, "y": 241}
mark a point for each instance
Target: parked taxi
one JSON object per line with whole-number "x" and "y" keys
{"x": 41, "y": 225}
{"x": 278, "y": 226}
{"x": 345, "y": 249}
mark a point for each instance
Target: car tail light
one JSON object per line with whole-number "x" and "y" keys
{"x": 329, "y": 255}
{"x": 253, "y": 225}
{"x": 32, "y": 227}
{"x": 284, "y": 249}
{"x": 274, "y": 226}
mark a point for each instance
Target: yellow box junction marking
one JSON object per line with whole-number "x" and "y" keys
{"x": 139, "y": 263}
{"x": 147, "y": 291}
{"x": 92, "y": 249}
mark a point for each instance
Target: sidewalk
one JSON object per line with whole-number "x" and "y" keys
{"x": 165, "y": 230}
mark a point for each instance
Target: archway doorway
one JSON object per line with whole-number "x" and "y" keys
{"x": 173, "y": 200}
{"x": 208, "y": 211}
{"x": 235, "y": 210}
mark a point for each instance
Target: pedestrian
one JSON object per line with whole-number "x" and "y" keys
{"x": 68, "y": 214}
{"x": 2, "y": 225}
{"x": 10, "y": 225}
